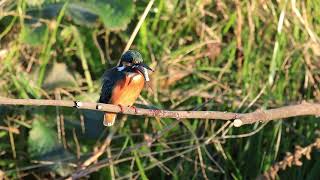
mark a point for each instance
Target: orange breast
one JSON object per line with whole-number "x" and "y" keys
{"x": 127, "y": 90}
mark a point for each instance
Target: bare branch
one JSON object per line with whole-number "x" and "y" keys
{"x": 302, "y": 109}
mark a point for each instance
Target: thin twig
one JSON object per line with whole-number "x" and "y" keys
{"x": 10, "y": 129}
{"x": 136, "y": 29}
{"x": 102, "y": 149}
{"x": 259, "y": 115}
{"x": 243, "y": 135}
{"x": 107, "y": 162}
{"x": 76, "y": 141}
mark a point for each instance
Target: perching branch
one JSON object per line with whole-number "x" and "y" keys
{"x": 302, "y": 109}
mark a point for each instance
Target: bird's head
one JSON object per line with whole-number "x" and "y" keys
{"x": 133, "y": 60}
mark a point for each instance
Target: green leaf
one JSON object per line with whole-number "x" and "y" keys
{"x": 57, "y": 76}
{"x": 34, "y": 2}
{"x": 42, "y": 139}
{"x": 2, "y": 134}
{"x": 113, "y": 14}
{"x": 33, "y": 36}
{"x": 27, "y": 85}
{"x": 43, "y": 145}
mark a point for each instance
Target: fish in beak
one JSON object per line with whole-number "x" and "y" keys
{"x": 143, "y": 69}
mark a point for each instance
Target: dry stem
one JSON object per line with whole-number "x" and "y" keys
{"x": 291, "y": 159}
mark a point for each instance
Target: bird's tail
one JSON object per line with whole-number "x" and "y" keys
{"x": 109, "y": 118}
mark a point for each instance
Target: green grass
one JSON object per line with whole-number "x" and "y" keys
{"x": 192, "y": 45}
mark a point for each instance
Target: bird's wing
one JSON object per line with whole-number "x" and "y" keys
{"x": 109, "y": 79}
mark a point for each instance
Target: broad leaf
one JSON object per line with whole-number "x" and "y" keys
{"x": 43, "y": 145}
{"x": 33, "y": 35}
{"x": 58, "y": 76}
{"x": 113, "y": 14}
{"x": 42, "y": 139}
{"x": 34, "y": 2}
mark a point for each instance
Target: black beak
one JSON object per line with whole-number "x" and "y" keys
{"x": 146, "y": 66}
{"x": 143, "y": 68}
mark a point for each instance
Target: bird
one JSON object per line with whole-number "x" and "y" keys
{"x": 121, "y": 85}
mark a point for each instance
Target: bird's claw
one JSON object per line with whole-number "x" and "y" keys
{"x": 135, "y": 109}
{"x": 121, "y": 108}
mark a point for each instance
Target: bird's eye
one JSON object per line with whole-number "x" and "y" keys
{"x": 137, "y": 61}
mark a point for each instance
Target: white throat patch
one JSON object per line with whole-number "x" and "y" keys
{"x": 121, "y": 68}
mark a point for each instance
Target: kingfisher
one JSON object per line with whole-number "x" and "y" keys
{"x": 121, "y": 85}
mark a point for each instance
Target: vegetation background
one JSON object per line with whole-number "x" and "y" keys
{"x": 232, "y": 55}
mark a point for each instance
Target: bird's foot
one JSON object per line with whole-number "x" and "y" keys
{"x": 135, "y": 109}
{"x": 121, "y": 108}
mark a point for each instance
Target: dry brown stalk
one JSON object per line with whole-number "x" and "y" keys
{"x": 10, "y": 129}
{"x": 290, "y": 160}
{"x": 259, "y": 115}
{"x": 99, "y": 152}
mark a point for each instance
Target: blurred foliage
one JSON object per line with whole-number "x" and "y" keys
{"x": 43, "y": 145}
{"x": 112, "y": 13}
{"x": 235, "y": 56}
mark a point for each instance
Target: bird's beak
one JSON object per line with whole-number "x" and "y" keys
{"x": 146, "y": 66}
{"x": 143, "y": 68}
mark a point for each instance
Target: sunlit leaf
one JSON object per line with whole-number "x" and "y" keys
{"x": 58, "y": 76}
{"x": 33, "y": 35}
{"x": 112, "y": 13}
{"x": 34, "y": 2}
